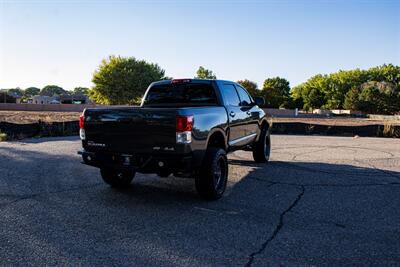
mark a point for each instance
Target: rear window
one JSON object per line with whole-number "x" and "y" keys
{"x": 181, "y": 94}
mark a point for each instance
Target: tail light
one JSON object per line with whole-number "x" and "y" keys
{"x": 174, "y": 81}
{"x": 82, "y": 121}
{"x": 184, "y": 127}
{"x": 184, "y": 123}
{"x": 82, "y": 127}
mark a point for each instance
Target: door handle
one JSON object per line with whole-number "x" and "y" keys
{"x": 232, "y": 114}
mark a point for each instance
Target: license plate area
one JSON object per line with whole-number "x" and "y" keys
{"x": 123, "y": 159}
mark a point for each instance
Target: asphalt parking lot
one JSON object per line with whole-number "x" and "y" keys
{"x": 320, "y": 201}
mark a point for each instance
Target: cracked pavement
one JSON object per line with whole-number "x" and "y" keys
{"x": 320, "y": 201}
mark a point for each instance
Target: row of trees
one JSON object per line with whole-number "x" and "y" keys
{"x": 376, "y": 90}
{"x": 123, "y": 80}
{"x": 276, "y": 91}
{"x": 120, "y": 80}
{"x": 49, "y": 90}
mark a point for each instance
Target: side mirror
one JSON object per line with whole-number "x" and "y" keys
{"x": 259, "y": 101}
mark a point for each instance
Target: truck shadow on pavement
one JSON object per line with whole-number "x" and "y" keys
{"x": 53, "y": 210}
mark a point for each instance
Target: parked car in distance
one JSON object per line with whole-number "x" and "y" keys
{"x": 183, "y": 127}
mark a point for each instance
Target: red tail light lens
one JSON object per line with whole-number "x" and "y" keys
{"x": 184, "y": 123}
{"x": 81, "y": 122}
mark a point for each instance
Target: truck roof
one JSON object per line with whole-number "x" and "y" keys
{"x": 191, "y": 79}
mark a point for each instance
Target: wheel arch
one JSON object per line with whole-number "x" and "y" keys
{"x": 264, "y": 124}
{"x": 217, "y": 138}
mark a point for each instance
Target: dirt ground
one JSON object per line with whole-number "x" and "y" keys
{"x": 339, "y": 121}
{"x": 23, "y": 117}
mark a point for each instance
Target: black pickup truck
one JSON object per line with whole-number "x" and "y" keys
{"x": 183, "y": 127}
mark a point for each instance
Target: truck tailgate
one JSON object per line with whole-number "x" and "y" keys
{"x": 130, "y": 130}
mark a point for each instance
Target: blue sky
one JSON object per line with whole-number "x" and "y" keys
{"x": 62, "y": 42}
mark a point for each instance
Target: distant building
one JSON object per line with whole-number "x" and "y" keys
{"x": 44, "y": 99}
{"x": 15, "y": 96}
{"x": 63, "y": 99}
{"x": 7, "y": 98}
{"x": 74, "y": 99}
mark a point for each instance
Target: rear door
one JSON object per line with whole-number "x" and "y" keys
{"x": 250, "y": 128}
{"x": 237, "y": 118}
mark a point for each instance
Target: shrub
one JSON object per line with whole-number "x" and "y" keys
{"x": 3, "y": 137}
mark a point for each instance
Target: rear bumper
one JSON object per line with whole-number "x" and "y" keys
{"x": 140, "y": 163}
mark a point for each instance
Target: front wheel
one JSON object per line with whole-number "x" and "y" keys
{"x": 212, "y": 178}
{"x": 262, "y": 148}
{"x": 119, "y": 179}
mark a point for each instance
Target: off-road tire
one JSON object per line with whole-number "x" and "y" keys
{"x": 262, "y": 148}
{"x": 211, "y": 179}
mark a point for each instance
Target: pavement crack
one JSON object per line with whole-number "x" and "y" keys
{"x": 277, "y": 228}
{"x": 308, "y": 152}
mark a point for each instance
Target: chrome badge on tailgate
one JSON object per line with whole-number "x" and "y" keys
{"x": 91, "y": 143}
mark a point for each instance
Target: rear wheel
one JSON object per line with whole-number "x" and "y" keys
{"x": 212, "y": 178}
{"x": 262, "y": 148}
{"x": 115, "y": 178}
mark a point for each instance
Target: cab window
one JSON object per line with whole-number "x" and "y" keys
{"x": 245, "y": 99}
{"x": 230, "y": 95}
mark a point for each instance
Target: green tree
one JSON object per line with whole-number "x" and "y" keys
{"x": 386, "y": 72}
{"x": 80, "y": 91}
{"x": 203, "y": 73}
{"x": 296, "y": 99}
{"x": 371, "y": 101}
{"x": 379, "y": 97}
{"x": 16, "y": 92}
{"x": 31, "y": 91}
{"x": 351, "y": 99}
{"x": 314, "y": 99}
{"x": 123, "y": 80}
{"x": 51, "y": 90}
{"x": 374, "y": 97}
{"x": 276, "y": 92}
{"x": 342, "y": 89}
{"x": 336, "y": 85}
{"x": 251, "y": 87}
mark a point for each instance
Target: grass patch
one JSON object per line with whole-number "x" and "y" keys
{"x": 3, "y": 137}
{"x": 390, "y": 130}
